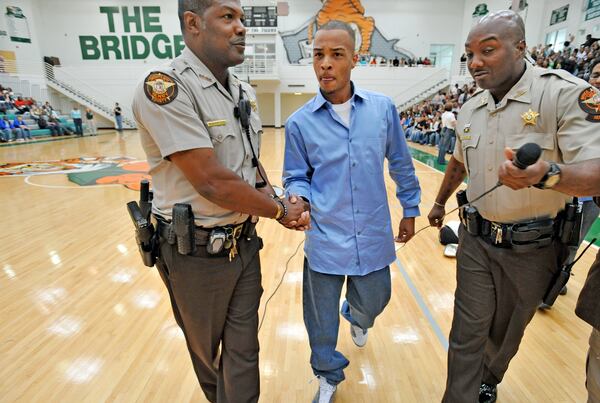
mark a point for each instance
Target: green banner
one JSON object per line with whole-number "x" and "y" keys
{"x": 133, "y": 41}
{"x": 593, "y": 10}
{"x": 559, "y": 15}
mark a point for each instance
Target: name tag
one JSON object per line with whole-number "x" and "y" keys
{"x": 215, "y": 123}
{"x": 463, "y": 138}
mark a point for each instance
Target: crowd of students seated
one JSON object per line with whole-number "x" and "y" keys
{"x": 578, "y": 61}
{"x": 422, "y": 123}
{"x": 368, "y": 60}
{"x": 44, "y": 116}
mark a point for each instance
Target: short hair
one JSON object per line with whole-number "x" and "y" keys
{"x": 195, "y": 6}
{"x": 335, "y": 24}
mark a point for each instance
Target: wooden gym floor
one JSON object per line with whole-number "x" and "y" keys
{"x": 82, "y": 320}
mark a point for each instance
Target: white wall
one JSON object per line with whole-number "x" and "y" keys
{"x": 28, "y": 55}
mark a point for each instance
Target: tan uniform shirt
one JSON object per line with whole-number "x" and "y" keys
{"x": 549, "y": 107}
{"x": 190, "y": 109}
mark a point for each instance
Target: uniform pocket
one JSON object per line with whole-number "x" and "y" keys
{"x": 469, "y": 141}
{"x": 219, "y": 134}
{"x": 544, "y": 140}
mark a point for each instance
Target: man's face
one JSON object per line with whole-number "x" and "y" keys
{"x": 595, "y": 76}
{"x": 221, "y": 33}
{"x": 491, "y": 60}
{"x": 333, "y": 60}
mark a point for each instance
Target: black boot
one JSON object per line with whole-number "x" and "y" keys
{"x": 487, "y": 393}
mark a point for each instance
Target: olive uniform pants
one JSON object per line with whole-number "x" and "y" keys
{"x": 215, "y": 302}
{"x": 593, "y": 368}
{"x": 497, "y": 293}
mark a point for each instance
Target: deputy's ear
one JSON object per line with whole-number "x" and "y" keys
{"x": 522, "y": 47}
{"x": 354, "y": 59}
{"x": 192, "y": 22}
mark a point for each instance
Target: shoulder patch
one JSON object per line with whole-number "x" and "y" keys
{"x": 160, "y": 88}
{"x": 589, "y": 102}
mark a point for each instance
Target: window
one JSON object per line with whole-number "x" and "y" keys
{"x": 556, "y": 39}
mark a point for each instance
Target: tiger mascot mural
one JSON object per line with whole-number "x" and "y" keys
{"x": 349, "y": 11}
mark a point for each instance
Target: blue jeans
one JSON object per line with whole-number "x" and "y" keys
{"x": 119, "y": 120}
{"x": 5, "y": 135}
{"x": 366, "y": 297}
{"x": 445, "y": 144}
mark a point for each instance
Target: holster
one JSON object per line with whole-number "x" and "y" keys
{"x": 145, "y": 234}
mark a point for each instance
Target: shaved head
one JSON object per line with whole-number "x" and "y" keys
{"x": 506, "y": 24}
{"x": 495, "y": 50}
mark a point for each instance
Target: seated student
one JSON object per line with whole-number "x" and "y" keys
{"x": 44, "y": 123}
{"x": 62, "y": 128}
{"x": 20, "y": 123}
{"x": 5, "y": 132}
{"x": 21, "y": 106}
{"x": 7, "y": 127}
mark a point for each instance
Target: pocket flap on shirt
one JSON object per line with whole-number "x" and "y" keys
{"x": 469, "y": 140}
{"x": 544, "y": 140}
{"x": 219, "y": 133}
{"x": 256, "y": 124}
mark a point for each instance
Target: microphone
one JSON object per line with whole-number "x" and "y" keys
{"x": 527, "y": 155}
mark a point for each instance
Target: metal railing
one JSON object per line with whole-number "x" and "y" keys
{"x": 82, "y": 92}
{"x": 425, "y": 94}
{"x": 257, "y": 68}
{"x": 422, "y": 89}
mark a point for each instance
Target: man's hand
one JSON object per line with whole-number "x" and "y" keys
{"x": 436, "y": 216}
{"x": 515, "y": 178}
{"x": 406, "y": 230}
{"x": 298, "y": 216}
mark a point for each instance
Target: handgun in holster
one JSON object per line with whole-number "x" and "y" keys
{"x": 183, "y": 226}
{"x": 569, "y": 234}
{"x": 469, "y": 216}
{"x": 145, "y": 234}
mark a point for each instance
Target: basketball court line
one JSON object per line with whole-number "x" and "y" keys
{"x": 28, "y": 181}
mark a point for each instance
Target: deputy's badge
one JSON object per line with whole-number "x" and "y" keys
{"x": 589, "y": 102}
{"x": 160, "y": 88}
{"x": 467, "y": 128}
{"x": 530, "y": 118}
{"x": 253, "y": 105}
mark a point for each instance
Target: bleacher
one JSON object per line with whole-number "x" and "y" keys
{"x": 33, "y": 126}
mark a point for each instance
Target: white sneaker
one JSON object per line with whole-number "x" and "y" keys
{"x": 325, "y": 393}
{"x": 359, "y": 336}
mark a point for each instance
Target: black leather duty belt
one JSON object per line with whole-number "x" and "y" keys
{"x": 201, "y": 234}
{"x": 524, "y": 236}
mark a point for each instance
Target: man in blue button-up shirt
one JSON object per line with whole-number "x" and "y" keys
{"x": 334, "y": 158}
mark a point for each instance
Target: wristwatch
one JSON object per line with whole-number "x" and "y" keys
{"x": 551, "y": 178}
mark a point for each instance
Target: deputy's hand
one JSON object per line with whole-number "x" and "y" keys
{"x": 406, "y": 230}
{"x": 436, "y": 216}
{"x": 515, "y": 178}
{"x": 298, "y": 216}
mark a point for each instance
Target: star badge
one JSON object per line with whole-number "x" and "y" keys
{"x": 530, "y": 118}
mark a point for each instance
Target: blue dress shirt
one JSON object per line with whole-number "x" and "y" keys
{"x": 339, "y": 169}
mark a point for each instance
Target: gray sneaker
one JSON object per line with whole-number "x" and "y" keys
{"x": 359, "y": 336}
{"x": 325, "y": 393}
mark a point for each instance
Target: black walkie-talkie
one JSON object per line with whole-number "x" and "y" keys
{"x": 243, "y": 110}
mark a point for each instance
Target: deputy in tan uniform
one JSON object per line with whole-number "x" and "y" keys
{"x": 199, "y": 154}
{"x": 503, "y": 271}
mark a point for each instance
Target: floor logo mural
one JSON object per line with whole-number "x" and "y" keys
{"x": 86, "y": 171}
{"x": 298, "y": 43}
